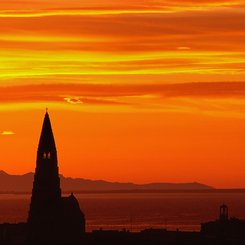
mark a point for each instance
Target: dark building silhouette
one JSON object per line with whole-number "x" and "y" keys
{"x": 224, "y": 226}
{"x": 223, "y": 213}
{"x": 52, "y": 218}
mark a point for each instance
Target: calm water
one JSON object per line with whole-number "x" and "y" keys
{"x": 138, "y": 211}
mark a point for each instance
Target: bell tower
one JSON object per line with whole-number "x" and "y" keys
{"x": 46, "y": 192}
{"x": 52, "y": 219}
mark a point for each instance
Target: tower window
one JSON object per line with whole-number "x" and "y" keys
{"x": 49, "y": 155}
{"x": 44, "y": 155}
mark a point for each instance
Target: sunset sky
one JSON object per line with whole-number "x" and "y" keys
{"x": 137, "y": 90}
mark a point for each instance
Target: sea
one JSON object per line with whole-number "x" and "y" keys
{"x": 138, "y": 211}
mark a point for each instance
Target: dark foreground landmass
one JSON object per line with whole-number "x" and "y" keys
{"x": 223, "y": 230}
{"x": 16, "y": 234}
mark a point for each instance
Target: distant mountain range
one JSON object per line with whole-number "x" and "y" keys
{"x": 23, "y": 183}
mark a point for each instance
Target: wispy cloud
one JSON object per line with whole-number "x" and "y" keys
{"x": 7, "y": 133}
{"x": 130, "y": 54}
{"x": 12, "y": 8}
{"x": 95, "y": 38}
{"x": 93, "y": 101}
{"x": 216, "y": 98}
{"x": 118, "y": 94}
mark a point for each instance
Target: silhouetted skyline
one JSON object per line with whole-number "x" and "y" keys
{"x": 52, "y": 218}
{"x": 59, "y": 220}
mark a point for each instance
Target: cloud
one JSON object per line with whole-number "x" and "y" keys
{"x": 96, "y": 7}
{"x": 88, "y": 41}
{"x": 216, "y": 99}
{"x": 111, "y": 93}
{"x": 73, "y": 100}
{"x": 122, "y": 27}
{"x": 183, "y": 48}
{"x": 71, "y": 42}
{"x": 200, "y": 31}
{"x": 92, "y": 101}
{"x": 7, "y": 133}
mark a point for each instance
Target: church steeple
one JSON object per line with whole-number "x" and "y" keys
{"x": 46, "y": 146}
{"x": 46, "y": 185}
{"x": 52, "y": 219}
{"x": 47, "y": 138}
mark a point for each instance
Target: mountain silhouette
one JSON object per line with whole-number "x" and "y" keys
{"x": 23, "y": 183}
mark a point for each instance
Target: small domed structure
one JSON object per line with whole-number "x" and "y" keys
{"x": 224, "y": 226}
{"x": 73, "y": 214}
{"x": 223, "y": 212}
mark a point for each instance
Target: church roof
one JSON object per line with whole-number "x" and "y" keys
{"x": 47, "y": 142}
{"x": 72, "y": 208}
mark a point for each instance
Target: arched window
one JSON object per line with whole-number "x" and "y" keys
{"x": 49, "y": 155}
{"x": 44, "y": 155}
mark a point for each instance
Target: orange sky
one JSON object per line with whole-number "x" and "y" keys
{"x": 137, "y": 90}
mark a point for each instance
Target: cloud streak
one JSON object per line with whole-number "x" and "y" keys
{"x": 95, "y": 38}
{"x": 87, "y": 93}
{"x": 167, "y": 32}
{"x": 213, "y": 98}
{"x": 17, "y": 9}
{"x": 157, "y": 42}
{"x": 7, "y": 133}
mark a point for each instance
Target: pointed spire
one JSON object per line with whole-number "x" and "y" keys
{"x": 46, "y": 184}
{"x": 46, "y": 142}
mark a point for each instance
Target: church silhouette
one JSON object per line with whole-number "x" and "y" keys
{"x": 52, "y": 218}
